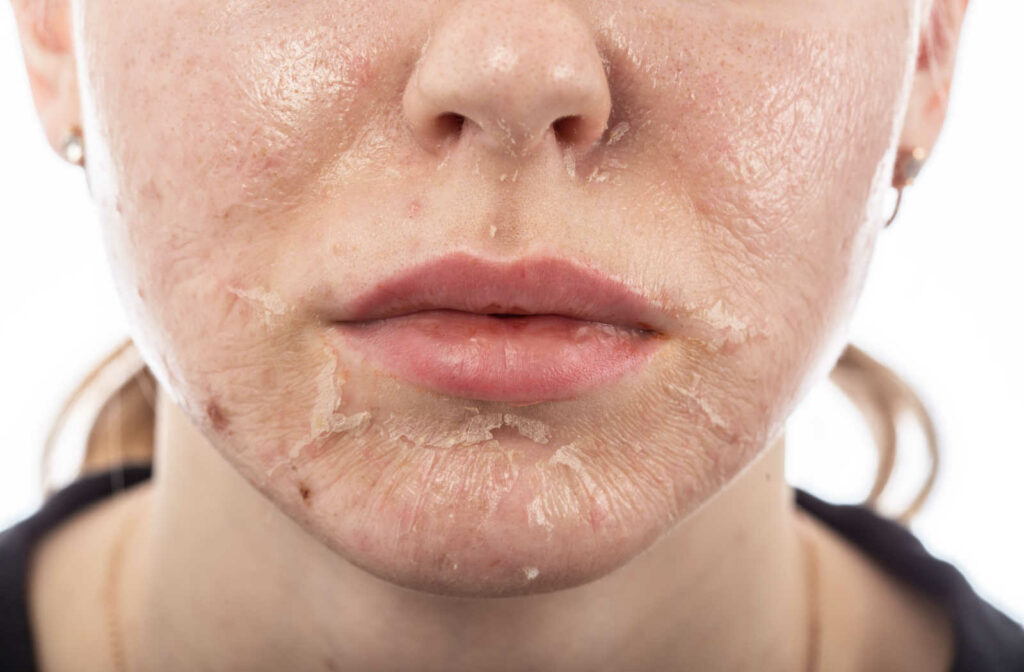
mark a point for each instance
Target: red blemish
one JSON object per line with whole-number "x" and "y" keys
{"x": 215, "y": 414}
{"x": 414, "y": 209}
{"x": 151, "y": 192}
{"x": 363, "y": 71}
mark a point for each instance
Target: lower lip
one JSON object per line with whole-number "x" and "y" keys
{"x": 514, "y": 359}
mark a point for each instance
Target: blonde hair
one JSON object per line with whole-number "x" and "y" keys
{"x": 112, "y": 408}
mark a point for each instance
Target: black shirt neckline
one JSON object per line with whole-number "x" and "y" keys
{"x": 985, "y": 639}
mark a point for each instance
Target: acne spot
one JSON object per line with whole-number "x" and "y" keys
{"x": 215, "y": 414}
{"x": 363, "y": 71}
{"x": 414, "y": 209}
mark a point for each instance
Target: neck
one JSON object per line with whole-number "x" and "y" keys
{"x": 219, "y": 578}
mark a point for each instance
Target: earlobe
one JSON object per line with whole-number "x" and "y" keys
{"x": 936, "y": 57}
{"x": 44, "y": 27}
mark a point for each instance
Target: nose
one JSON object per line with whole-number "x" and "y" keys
{"x": 511, "y": 70}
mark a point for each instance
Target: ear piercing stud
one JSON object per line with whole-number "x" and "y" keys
{"x": 73, "y": 148}
{"x": 908, "y": 165}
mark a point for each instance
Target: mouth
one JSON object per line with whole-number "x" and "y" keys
{"x": 530, "y": 330}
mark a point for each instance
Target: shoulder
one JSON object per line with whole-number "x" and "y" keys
{"x": 931, "y": 592}
{"x": 48, "y": 559}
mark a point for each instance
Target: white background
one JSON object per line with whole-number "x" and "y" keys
{"x": 942, "y": 306}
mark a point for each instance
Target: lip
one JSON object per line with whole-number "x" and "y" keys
{"x": 526, "y": 330}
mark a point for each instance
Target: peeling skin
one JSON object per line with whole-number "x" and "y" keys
{"x": 701, "y": 398}
{"x": 473, "y": 428}
{"x": 570, "y": 164}
{"x": 535, "y": 514}
{"x": 269, "y": 304}
{"x": 617, "y": 133}
{"x": 325, "y": 418}
{"x": 725, "y": 191}
{"x": 535, "y": 430}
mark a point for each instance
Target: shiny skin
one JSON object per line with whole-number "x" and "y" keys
{"x": 251, "y": 158}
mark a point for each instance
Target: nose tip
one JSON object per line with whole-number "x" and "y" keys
{"x": 512, "y": 71}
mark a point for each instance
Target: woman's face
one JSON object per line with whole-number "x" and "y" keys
{"x": 260, "y": 164}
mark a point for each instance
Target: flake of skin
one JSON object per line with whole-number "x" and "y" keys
{"x": 510, "y": 138}
{"x": 325, "y": 419}
{"x": 568, "y": 455}
{"x": 597, "y": 175}
{"x": 476, "y": 428}
{"x": 717, "y": 327}
{"x": 694, "y": 394}
{"x": 617, "y": 132}
{"x": 570, "y": 164}
{"x": 605, "y": 171}
{"x": 531, "y": 573}
{"x": 535, "y": 430}
{"x": 535, "y": 514}
{"x": 271, "y": 305}
{"x": 494, "y": 230}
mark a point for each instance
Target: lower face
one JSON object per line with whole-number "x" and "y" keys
{"x": 251, "y": 159}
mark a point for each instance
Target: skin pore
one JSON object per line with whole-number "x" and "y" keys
{"x": 258, "y": 164}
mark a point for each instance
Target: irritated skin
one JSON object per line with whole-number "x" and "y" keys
{"x": 257, "y": 162}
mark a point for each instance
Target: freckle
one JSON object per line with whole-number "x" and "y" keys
{"x": 304, "y": 492}
{"x": 216, "y": 415}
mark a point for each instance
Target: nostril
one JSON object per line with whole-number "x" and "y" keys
{"x": 448, "y": 125}
{"x": 569, "y": 129}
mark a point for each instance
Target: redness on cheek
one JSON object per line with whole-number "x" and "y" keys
{"x": 362, "y": 72}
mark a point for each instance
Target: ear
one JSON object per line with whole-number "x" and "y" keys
{"x": 929, "y": 96}
{"x": 45, "y": 30}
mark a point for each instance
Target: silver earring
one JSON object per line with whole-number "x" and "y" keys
{"x": 73, "y": 148}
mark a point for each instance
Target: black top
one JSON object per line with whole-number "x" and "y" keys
{"x": 986, "y": 640}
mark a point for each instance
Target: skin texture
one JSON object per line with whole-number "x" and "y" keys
{"x": 256, "y": 164}
{"x": 283, "y": 182}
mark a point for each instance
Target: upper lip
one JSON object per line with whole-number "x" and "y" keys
{"x": 545, "y": 285}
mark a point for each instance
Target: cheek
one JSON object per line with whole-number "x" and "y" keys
{"x": 212, "y": 120}
{"x": 235, "y": 108}
{"x": 769, "y": 135}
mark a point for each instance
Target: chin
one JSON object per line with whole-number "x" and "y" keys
{"x": 477, "y": 549}
{"x": 501, "y": 518}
